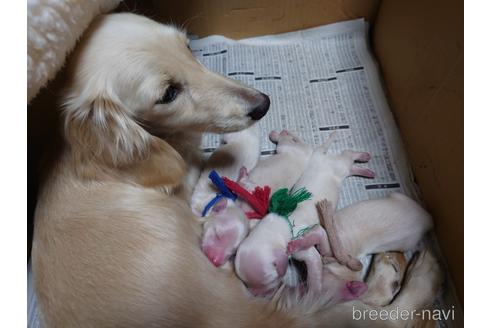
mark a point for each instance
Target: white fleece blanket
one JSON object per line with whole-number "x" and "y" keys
{"x": 53, "y": 28}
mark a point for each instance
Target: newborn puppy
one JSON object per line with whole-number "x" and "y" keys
{"x": 384, "y": 278}
{"x": 226, "y": 225}
{"x": 323, "y": 178}
{"x": 281, "y": 170}
{"x": 393, "y": 223}
{"x": 261, "y": 260}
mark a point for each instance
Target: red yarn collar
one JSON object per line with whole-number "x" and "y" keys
{"x": 258, "y": 199}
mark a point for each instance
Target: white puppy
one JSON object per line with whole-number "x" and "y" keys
{"x": 226, "y": 225}
{"x": 262, "y": 259}
{"x": 323, "y": 179}
{"x": 393, "y": 223}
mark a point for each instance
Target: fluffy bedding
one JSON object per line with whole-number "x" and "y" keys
{"x": 53, "y": 28}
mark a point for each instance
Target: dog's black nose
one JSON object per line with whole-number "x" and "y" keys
{"x": 260, "y": 109}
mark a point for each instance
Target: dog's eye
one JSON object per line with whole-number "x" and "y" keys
{"x": 170, "y": 95}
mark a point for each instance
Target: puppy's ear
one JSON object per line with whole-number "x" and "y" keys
{"x": 220, "y": 206}
{"x": 103, "y": 132}
{"x": 243, "y": 174}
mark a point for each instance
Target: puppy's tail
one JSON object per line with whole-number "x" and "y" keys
{"x": 324, "y": 147}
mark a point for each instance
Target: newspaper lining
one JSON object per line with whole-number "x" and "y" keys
{"x": 319, "y": 80}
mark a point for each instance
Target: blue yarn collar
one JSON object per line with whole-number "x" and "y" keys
{"x": 224, "y": 192}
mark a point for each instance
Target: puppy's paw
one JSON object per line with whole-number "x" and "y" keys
{"x": 353, "y": 290}
{"x": 296, "y": 245}
{"x": 361, "y": 157}
{"x": 362, "y": 172}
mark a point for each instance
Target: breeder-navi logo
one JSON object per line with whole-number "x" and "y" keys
{"x": 402, "y": 314}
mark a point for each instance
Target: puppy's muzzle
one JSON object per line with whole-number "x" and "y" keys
{"x": 260, "y": 108}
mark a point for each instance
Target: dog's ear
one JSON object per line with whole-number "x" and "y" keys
{"x": 102, "y": 131}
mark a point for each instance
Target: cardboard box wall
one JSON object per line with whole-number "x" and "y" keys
{"x": 419, "y": 46}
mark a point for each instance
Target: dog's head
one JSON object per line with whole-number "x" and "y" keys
{"x": 133, "y": 78}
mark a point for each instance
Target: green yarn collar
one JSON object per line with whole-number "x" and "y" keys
{"x": 283, "y": 203}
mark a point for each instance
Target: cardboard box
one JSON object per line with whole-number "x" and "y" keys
{"x": 419, "y": 45}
